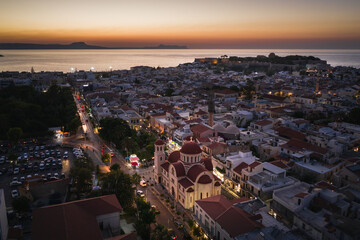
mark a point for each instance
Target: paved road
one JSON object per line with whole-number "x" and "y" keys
{"x": 93, "y": 143}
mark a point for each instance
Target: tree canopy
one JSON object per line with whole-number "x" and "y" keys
{"x": 35, "y": 112}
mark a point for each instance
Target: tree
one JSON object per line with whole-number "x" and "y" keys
{"x": 146, "y": 216}
{"x": 14, "y": 134}
{"x": 160, "y": 232}
{"x": 21, "y": 204}
{"x": 135, "y": 179}
{"x": 115, "y": 167}
{"x": 106, "y": 158}
{"x": 82, "y": 179}
{"x": 197, "y": 232}
{"x": 120, "y": 184}
{"x": 353, "y": 116}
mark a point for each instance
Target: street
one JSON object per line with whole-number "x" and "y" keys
{"x": 92, "y": 145}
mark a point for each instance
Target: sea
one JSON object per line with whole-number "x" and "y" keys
{"x": 119, "y": 59}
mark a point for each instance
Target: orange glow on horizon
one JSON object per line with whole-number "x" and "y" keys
{"x": 121, "y": 23}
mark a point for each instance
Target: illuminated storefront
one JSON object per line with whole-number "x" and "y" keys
{"x": 134, "y": 160}
{"x": 218, "y": 174}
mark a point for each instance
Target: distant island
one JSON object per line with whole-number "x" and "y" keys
{"x": 77, "y": 45}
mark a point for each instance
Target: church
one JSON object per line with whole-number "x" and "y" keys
{"x": 185, "y": 174}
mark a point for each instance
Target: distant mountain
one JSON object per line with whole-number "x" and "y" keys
{"x": 76, "y": 45}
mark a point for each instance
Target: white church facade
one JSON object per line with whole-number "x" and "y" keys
{"x": 185, "y": 174}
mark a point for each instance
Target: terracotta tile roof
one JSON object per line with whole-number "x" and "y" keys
{"x": 214, "y": 206}
{"x": 204, "y": 179}
{"x": 185, "y": 182}
{"x": 204, "y": 140}
{"x": 254, "y": 164}
{"x": 207, "y": 163}
{"x": 217, "y": 144}
{"x": 190, "y": 148}
{"x": 279, "y": 164}
{"x": 159, "y": 142}
{"x": 165, "y": 166}
{"x": 323, "y": 184}
{"x": 199, "y": 128}
{"x": 297, "y": 145}
{"x": 290, "y": 133}
{"x": 236, "y": 215}
{"x": 194, "y": 172}
{"x": 174, "y": 156}
{"x": 69, "y": 220}
{"x": 263, "y": 122}
{"x": 301, "y": 195}
{"x": 240, "y": 167}
{"x": 179, "y": 169}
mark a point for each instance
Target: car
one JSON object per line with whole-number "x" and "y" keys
{"x": 62, "y": 175}
{"x": 140, "y": 193}
{"x": 143, "y": 183}
{"x": 16, "y": 170}
{"x": 15, "y": 179}
{"x": 22, "y": 179}
{"x": 156, "y": 211}
{"x": 60, "y": 166}
{"x": 172, "y": 234}
{"x": 56, "y": 175}
{"x": 48, "y": 176}
{"x": 28, "y": 176}
{"x": 15, "y": 183}
{"x": 14, "y": 193}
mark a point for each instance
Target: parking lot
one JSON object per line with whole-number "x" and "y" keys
{"x": 47, "y": 162}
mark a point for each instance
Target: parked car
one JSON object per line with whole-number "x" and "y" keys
{"x": 140, "y": 193}
{"x": 15, "y": 183}
{"x": 143, "y": 183}
{"x": 156, "y": 211}
{"x": 14, "y": 193}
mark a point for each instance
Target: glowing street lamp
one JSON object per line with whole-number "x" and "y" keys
{"x": 110, "y": 68}
{"x": 92, "y": 68}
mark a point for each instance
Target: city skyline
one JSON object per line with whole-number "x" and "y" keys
{"x": 200, "y": 24}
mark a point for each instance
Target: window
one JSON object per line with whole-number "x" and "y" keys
{"x": 200, "y": 195}
{"x": 160, "y": 158}
{"x": 207, "y": 194}
{"x": 299, "y": 201}
{"x": 187, "y": 159}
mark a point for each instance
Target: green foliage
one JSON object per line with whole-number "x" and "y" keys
{"x": 126, "y": 139}
{"x": 169, "y": 92}
{"x": 106, "y": 158}
{"x": 136, "y": 178}
{"x": 82, "y": 179}
{"x": 197, "y": 232}
{"x": 34, "y": 112}
{"x": 115, "y": 167}
{"x": 21, "y": 204}
{"x": 14, "y": 134}
{"x": 160, "y": 232}
{"x": 353, "y": 116}
{"x": 145, "y": 217}
{"x": 120, "y": 184}
{"x": 191, "y": 223}
{"x": 81, "y": 173}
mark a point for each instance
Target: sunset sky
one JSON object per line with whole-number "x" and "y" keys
{"x": 195, "y": 23}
